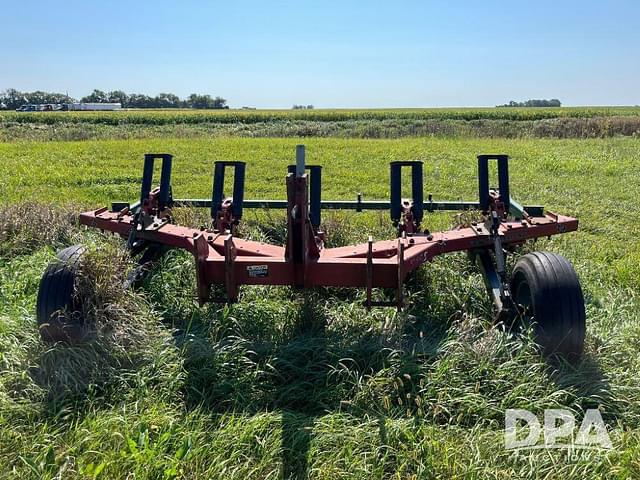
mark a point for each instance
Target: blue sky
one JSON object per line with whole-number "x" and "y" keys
{"x": 329, "y": 53}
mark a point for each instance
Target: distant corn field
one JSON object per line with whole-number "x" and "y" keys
{"x": 566, "y": 122}
{"x": 184, "y": 116}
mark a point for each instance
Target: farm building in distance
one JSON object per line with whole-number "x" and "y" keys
{"x": 63, "y": 107}
{"x": 94, "y": 106}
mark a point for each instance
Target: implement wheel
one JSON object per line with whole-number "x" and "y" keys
{"x": 57, "y": 309}
{"x": 547, "y": 292}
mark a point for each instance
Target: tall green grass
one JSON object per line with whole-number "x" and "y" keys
{"x": 308, "y": 384}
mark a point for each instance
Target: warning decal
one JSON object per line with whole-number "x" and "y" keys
{"x": 255, "y": 271}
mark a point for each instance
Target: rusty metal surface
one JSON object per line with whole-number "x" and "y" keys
{"x": 340, "y": 267}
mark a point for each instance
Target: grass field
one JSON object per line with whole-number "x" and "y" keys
{"x": 565, "y": 122}
{"x": 296, "y": 385}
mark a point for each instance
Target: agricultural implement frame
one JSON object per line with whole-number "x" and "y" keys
{"x": 222, "y": 258}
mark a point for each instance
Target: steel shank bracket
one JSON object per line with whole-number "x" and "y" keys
{"x": 227, "y": 212}
{"x": 488, "y": 197}
{"x": 407, "y": 213}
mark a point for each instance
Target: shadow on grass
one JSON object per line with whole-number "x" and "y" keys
{"x": 587, "y": 381}
{"x": 74, "y": 376}
{"x": 301, "y": 368}
{"x": 302, "y": 357}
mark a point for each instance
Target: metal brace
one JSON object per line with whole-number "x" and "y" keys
{"x": 498, "y": 250}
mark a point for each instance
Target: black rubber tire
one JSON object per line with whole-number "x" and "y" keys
{"x": 56, "y": 294}
{"x": 547, "y": 291}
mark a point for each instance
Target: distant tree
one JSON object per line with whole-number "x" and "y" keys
{"x": 302, "y": 107}
{"x": 205, "y": 102}
{"x": 199, "y": 101}
{"x": 219, "y": 102}
{"x": 168, "y": 100}
{"x": 97, "y": 96}
{"x": 13, "y": 98}
{"x": 139, "y": 100}
{"x": 554, "y": 102}
{"x": 118, "y": 96}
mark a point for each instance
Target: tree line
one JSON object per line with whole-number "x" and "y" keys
{"x": 12, "y": 98}
{"x": 554, "y": 102}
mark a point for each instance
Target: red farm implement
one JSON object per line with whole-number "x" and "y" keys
{"x": 542, "y": 288}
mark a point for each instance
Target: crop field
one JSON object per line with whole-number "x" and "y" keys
{"x": 290, "y": 384}
{"x": 164, "y": 116}
{"x": 565, "y": 122}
